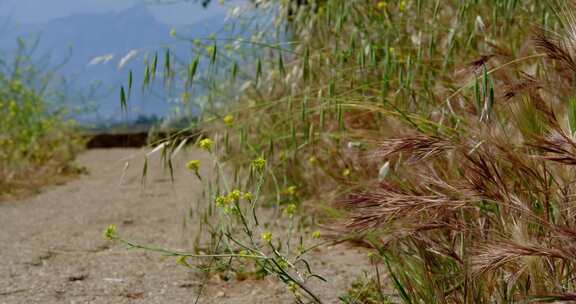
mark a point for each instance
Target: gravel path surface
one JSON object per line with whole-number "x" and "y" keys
{"x": 52, "y": 249}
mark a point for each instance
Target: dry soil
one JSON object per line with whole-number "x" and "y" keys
{"x": 52, "y": 249}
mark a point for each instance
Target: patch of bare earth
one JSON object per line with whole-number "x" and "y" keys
{"x": 52, "y": 249}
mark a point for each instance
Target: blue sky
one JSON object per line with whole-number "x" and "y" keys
{"x": 33, "y": 11}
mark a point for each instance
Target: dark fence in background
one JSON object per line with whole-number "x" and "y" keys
{"x": 127, "y": 140}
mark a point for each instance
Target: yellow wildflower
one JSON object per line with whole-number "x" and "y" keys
{"x": 229, "y": 209}
{"x": 206, "y": 144}
{"x": 235, "y": 194}
{"x": 290, "y": 190}
{"x": 193, "y": 165}
{"x": 228, "y": 120}
{"x": 346, "y": 173}
{"x": 259, "y": 163}
{"x": 111, "y": 232}
{"x": 402, "y": 6}
{"x": 290, "y": 210}
{"x": 222, "y": 201}
{"x": 247, "y": 196}
{"x": 312, "y": 160}
{"x": 292, "y": 287}
{"x": 267, "y": 236}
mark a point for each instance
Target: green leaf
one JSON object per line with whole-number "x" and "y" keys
{"x": 123, "y": 103}
{"x": 154, "y": 65}
{"x": 477, "y": 96}
{"x": 490, "y": 101}
{"x": 340, "y": 117}
{"x": 258, "y": 71}
{"x": 281, "y": 66}
{"x": 485, "y": 84}
{"x": 306, "y": 65}
{"x": 572, "y": 115}
{"x": 234, "y": 71}
{"x": 214, "y": 51}
{"x": 146, "y": 81}
{"x": 167, "y": 66}
{"x": 130, "y": 80}
{"x": 192, "y": 68}
{"x": 403, "y": 294}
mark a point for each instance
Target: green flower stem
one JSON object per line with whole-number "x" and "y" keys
{"x": 168, "y": 252}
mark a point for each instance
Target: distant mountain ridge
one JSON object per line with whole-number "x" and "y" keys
{"x": 115, "y": 34}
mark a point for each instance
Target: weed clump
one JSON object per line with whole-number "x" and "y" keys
{"x": 442, "y": 131}
{"x": 37, "y": 144}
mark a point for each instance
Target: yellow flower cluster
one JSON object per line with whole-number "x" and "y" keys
{"x": 312, "y": 160}
{"x": 111, "y": 232}
{"x": 228, "y": 120}
{"x": 267, "y": 236}
{"x": 223, "y": 201}
{"x": 402, "y": 6}
{"x": 291, "y": 191}
{"x": 290, "y": 210}
{"x": 382, "y": 5}
{"x": 346, "y": 172}
{"x": 234, "y": 196}
{"x": 293, "y": 288}
{"x": 206, "y": 144}
{"x": 259, "y": 164}
{"x": 193, "y": 165}
{"x": 247, "y": 196}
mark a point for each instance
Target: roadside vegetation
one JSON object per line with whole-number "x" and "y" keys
{"x": 439, "y": 134}
{"x": 37, "y": 142}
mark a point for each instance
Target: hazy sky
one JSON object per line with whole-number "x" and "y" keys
{"x": 31, "y": 11}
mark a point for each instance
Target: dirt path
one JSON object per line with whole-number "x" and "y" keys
{"x": 52, "y": 249}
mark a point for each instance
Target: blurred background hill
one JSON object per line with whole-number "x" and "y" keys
{"x": 88, "y": 43}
